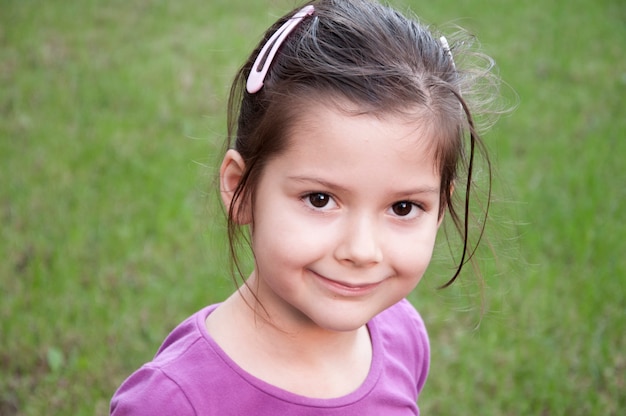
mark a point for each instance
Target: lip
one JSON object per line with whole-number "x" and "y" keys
{"x": 346, "y": 289}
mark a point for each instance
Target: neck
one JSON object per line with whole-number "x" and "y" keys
{"x": 288, "y": 330}
{"x": 293, "y": 354}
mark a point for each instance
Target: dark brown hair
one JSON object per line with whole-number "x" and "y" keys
{"x": 383, "y": 63}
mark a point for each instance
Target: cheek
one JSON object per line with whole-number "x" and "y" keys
{"x": 412, "y": 255}
{"x": 288, "y": 240}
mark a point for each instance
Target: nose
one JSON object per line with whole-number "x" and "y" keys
{"x": 360, "y": 243}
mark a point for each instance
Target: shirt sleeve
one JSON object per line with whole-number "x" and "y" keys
{"x": 149, "y": 391}
{"x": 423, "y": 356}
{"x": 418, "y": 347}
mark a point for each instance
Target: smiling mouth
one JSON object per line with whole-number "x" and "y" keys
{"x": 347, "y": 289}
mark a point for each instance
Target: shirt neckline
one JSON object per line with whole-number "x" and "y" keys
{"x": 363, "y": 390}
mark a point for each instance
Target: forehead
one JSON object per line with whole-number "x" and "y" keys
{"x": 343, "y": 141}
{"x": 347, "y": 127}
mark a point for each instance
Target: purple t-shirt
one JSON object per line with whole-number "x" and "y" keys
{"x": 192, "y": 375}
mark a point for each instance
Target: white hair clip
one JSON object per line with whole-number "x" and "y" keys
{"x": 266, "y": 56}
{"x": 446, "y": 48}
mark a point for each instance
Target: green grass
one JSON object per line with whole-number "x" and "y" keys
{"x": 112, "y": 122}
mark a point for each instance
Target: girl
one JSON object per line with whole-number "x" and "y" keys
{"x": 348, "y": 125}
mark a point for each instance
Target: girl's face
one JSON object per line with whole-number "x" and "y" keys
{"x": 345, "y": 219}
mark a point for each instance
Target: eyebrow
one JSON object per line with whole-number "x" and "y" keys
{"x": 319, "y": 181}
{"x": 331, "y": 185}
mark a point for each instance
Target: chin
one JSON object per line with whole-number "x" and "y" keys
{"x": 344, "y": 327}
{"x": 342, "y": 322}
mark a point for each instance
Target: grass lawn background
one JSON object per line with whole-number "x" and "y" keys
{"x": 112, "y": 119}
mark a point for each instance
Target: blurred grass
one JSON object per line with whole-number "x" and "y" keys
{"x": 112, "y": 122}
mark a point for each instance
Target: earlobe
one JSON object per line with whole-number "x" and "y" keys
{"x": 231, "y": 173}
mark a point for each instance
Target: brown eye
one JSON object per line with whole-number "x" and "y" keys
{"x": 402, "y": 208}
{"x": 319, "y": 200}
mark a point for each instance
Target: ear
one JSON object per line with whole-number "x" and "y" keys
{"x": 231, "y": 172}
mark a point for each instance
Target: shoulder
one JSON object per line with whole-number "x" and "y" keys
{"x": 404, "y": 316}
{"x": 162, "y": 387}
{"x": 149, "y": 391}
{"x": 404, "y": 339}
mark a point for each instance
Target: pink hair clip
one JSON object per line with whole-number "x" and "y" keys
{"x": 264, "y": 59}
